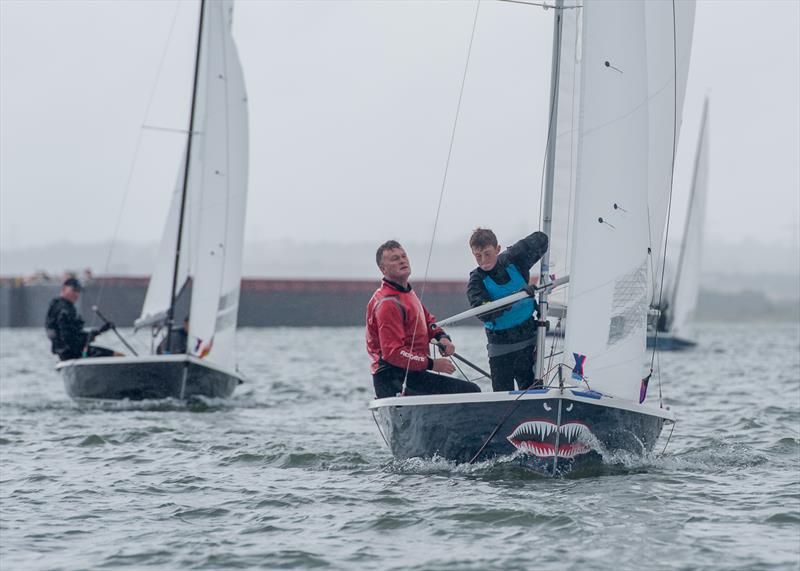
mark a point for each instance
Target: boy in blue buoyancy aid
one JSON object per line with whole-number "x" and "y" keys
{"x": 511, "y": 331}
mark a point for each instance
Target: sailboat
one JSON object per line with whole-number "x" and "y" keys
{"x": 200, "y": 255}
{"x": 669, "y": 331}
{"x": 619, "y": 71}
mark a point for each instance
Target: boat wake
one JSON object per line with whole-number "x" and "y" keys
{"x": 195, "y": 404}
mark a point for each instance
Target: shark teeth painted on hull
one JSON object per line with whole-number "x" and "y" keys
{"x": 529, "y": 437}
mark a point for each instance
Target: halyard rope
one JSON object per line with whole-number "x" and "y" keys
{"x": 137, "y": 147}
{"x": 444, "y": 183}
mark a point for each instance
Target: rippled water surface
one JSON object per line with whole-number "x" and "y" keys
{"x": 290, "y": 472}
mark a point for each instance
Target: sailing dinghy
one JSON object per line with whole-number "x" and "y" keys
{"x": 618, "y": 79}
{"x": 200, "y": 256}
{"x": 670, "y": 330}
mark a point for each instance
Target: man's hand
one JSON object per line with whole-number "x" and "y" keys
{"x": 443, "y": 366}
{"x": 446, "y": 347}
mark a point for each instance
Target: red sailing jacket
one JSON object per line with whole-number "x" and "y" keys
{"x": 393, "y": 315}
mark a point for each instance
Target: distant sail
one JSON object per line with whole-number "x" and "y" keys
{"x": 687, "y": 280}
{"x": 216, "y": 198}
{"x": 219, "y": 181}
{"x": 159, "y": 290}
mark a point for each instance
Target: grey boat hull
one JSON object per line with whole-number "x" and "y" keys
{"x": 551, "y": 431}
{"x": 179, "y": 377}
{"x": 667, "y": 342}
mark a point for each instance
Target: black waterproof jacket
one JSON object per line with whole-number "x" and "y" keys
{"x": 64, "y": 328}
{"x": 524, "y": 254}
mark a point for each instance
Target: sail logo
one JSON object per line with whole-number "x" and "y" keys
{"x": 202, "y": 350}
{"x": 577, "y": 370}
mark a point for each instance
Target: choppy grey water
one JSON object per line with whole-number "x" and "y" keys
{"x": 290, "y": 473}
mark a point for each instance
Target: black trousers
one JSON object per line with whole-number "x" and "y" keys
{"x": 518, "y": 365}
{"x": 388, "y": 382}
{"x": 91, "y": 351}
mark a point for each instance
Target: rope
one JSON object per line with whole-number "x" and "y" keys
{"x": 136, "y": 156}
{"x": 669, "y": 437}
{"x": 379, "y": 430}
{"x": 444, "y": 183}
{"x": 512, "y": 408}
{"x": 671, "y": 179}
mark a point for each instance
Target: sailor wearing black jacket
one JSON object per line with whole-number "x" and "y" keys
{"x": 511, "y": 331}
{"x": 64, "y": 327}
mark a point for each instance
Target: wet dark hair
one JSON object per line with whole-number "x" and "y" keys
{"x": 73, "y": 283}
{"x": 482, "y": 237}
{"x": 388, "y": 245}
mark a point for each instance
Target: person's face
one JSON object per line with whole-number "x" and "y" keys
{"x": 70, "y": 293}
{"x": 395, "y": 265}
{"x": 486, "y": 257}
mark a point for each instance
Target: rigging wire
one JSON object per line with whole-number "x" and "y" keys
{"x": 671, "y": 180}
{"x": 137, "y": 148}
{"x": 379, "y": 429}
{"x": 444, "y": 183}
{"x": 514, "y": 406}
{"x": 669, "y": 437}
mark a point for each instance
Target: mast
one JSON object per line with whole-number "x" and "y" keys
{"x": 171, "y": 311}
{"x": 547, "y": 208}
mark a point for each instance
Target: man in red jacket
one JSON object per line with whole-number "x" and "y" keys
{"x": 399, "y": 330}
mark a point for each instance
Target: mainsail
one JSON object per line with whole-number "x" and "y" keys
{"x": 622, "y": 181}
{"x": 222, "y": 191}
{"x": 213, "y": 228}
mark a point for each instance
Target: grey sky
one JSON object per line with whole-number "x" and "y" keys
{"x": 351, "y": 108}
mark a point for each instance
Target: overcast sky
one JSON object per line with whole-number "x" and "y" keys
{"x": 351, "y": 110}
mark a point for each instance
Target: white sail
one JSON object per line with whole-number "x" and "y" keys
{"x": 159, "y": 290}
{"x": 624, "y": 164}
{"x": 687, "y": 280}
{"x": 566, "y": 145}
{"x": 220, "y": 188}
{"x": 608, "y": 280}
{"x": 669, "y": 28}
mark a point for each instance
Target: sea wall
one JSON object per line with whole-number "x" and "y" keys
{"x": 320, "y": 303}
{"x": 262, "y": 303}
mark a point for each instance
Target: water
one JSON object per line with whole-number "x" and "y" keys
{"x": 290, "y": 473}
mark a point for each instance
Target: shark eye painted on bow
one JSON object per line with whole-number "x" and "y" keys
{"x": 569, "y": 407}
{"x": 546, "y": 406}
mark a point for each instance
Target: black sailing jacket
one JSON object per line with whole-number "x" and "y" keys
{"x": 64, "y": 328}
{"x": 524, "y": 254}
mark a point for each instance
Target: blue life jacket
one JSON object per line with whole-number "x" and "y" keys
{"x": 520, "y": 311}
